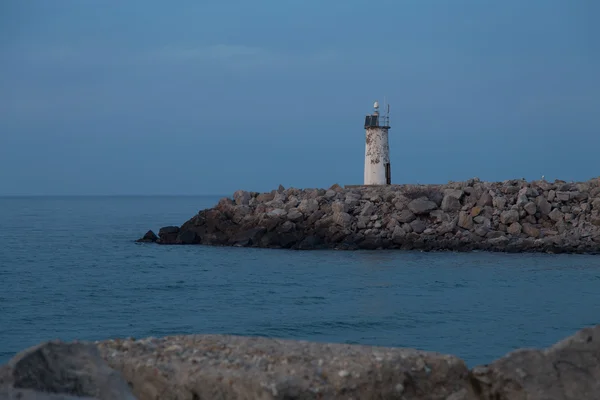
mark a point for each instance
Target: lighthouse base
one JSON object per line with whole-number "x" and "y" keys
{"x": 377, "y": 157}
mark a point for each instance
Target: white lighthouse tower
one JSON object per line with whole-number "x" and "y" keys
{"x": 377, "y": 148}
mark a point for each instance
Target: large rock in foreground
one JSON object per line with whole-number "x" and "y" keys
{"x": 512, "y": 216}
{"x": 57, "y": 370}
{"x": 230, "y": 367}
{"x": 234, "y": 368}
{"x": 568, "y": 370}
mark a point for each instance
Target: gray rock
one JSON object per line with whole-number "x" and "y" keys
{"x": 514, "y": 228}
{"x": 544, "y": 206}
{"x": 484, "y": 221}
{"x": 482, "y": 230}
{"x": 342, "y": 219}
{"x": 241, "y": 197}
{"x": 330, "y": 194}
{"x": 352, "y": 200}
{"x": 338, "y": 206}
{"x": 418, "y": 226}
{"x": 440, "y": 216}
{"x": 556, "y": 215}
{"x": 421, "y": 206}
{"x": 530, "y": 207}
{"x": 499, "y": 202}
{"x": 362, "y": 221}
{"x": 531, "y": 230}
{"x": 447, "y": 227}
{"x": 368, "y": 209}
{"x": 149, "y": 237}
{"x": 405, "y": 216}
{"x": 287, "y": 226}
{"x": 563, "y": 196}
{"x": 569, "y": 370}
{"x": 485, "y": 200}
{"x": 456, "y": 193}
{"x": 232, "y": 367}
{"x": 508, "y": 217}
{"x": 294, "y": 215}
{"x": 74, "y": 369}
{"x": 450, "y": 203}
{"x": 522, "y": 200}
{"x": 465, "y": 220}
{"x": 308, "y": 206}
{"x": 264, "y": 197}
{"x": 276, "y": 213}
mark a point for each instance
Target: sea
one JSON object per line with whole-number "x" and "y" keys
{"x": 70, "y": 270}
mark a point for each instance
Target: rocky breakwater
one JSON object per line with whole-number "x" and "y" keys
{"x": 509, "y": 216}
{"x": 233, "y": 367}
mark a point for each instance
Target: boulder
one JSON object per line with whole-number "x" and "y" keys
{"x": 405, "y": 216}
{"x": 556, "y": 215}
{"x": 74, "y": 369}
{"x": 563, "y": 196}
{"x": 263, "y": 197}
{"x": 294, "y": 215}
{"x": 456, "y": 193}
{"x": 168, "y": 234}
{"x": 418, "y": 226}
{"x": 508, "y": 217}
{"x": 421, "y": 206}
{"x": 531, "y": 230}
{"x": 530, "y": 208}
{"x": 250, "y": 237}
{"x": 233, "y": 367}
{"x": 569, "y": 370}
{"x": 450, "y": 203}
{"x": 277, "y": 213}
{"x": 465, "y": 220}
{"x": 149, "y": 237}
{"x": 308, "y": 206}
{"x": 485, "y": 200}
{"x": 339, "y": 206}
{"x": 242, "y": 197}
{"x": 499, "y": 202}
{"x": 514, "y": 228}
{"x": 368, "y": 209}
{"x": 342, "y": 219}
{"x": 544, "y": 206}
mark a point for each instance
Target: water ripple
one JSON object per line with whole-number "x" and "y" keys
{"x": 69, "y": 270}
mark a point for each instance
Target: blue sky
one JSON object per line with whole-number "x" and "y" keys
{"x": 207, "y": 97}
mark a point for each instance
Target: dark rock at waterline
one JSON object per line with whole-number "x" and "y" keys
{"x": 149, "y": 237}
{"x": 510, "y": 216}
{"x": 168, "y": 235}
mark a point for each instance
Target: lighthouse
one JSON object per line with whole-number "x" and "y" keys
{"x": 377, "y": 148}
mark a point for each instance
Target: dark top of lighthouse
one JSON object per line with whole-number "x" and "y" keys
{"x": 374, "y": 120}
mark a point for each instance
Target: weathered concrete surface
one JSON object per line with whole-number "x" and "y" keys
{"x": 510, "y": 216}
{"x": 230, "y": 367}
{"x": 74, "y": 369}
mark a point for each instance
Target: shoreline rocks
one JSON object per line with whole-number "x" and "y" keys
{"x": 509, "y": 216}
{"x": 237, "y": 367}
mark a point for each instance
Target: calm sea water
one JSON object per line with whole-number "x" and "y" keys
{"x": 69, "y": 269}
